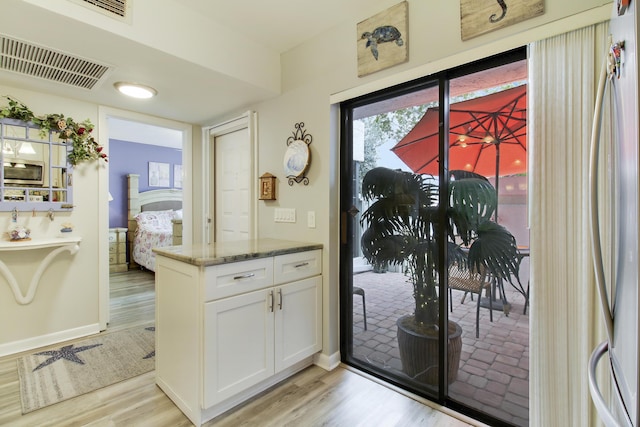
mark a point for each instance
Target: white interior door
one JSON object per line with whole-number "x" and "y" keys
{"x": 232, "y": 174}
{"x": 231, "y": 191}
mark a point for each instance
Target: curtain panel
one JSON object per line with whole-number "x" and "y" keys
{"x": 565, "y": 318}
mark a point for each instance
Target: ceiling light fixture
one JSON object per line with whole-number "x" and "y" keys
{"x": 135, "y": 90}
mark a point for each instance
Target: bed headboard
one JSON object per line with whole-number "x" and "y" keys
{"x": 153, "y": 200}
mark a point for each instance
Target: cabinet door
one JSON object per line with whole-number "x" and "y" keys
{"x": 298, "y": 321}
{"x": 238, "y": 344}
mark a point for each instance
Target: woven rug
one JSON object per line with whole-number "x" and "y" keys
{"x": 54, "y": 375}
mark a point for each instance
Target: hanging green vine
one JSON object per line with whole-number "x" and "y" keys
{"x": 85, "y": 147}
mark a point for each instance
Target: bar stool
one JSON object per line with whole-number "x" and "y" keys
{"x": 360, "y": 291}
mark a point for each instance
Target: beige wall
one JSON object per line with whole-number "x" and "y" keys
{"x": 319, "y": 74}
{"x": 67, "y": 298}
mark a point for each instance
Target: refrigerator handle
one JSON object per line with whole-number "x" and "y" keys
{"x": 599, "y": 402}
{"x": 594, "y": 220}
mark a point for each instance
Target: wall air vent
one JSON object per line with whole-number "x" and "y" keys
{"x": 108, "y": 7}
{"x": 29, "y": 59}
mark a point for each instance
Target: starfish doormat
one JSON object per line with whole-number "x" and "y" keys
{"x": 63, "y": 372}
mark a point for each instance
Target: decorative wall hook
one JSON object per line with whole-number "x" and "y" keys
{"x": 297, "y": 158}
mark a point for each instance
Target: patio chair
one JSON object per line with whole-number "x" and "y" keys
{"x": 360, "y": 291}
{"x": 463, "y": 279}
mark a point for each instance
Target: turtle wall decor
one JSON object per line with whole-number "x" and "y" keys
{"x": 382, "y": 40}
{"x": 384, "y": 34}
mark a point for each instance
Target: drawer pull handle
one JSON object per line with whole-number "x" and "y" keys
{"x": 244, "y": 276}
{"x": 303, "y": 264}
{"x": 280, "y": 303}
{"x": 271, "y": 300}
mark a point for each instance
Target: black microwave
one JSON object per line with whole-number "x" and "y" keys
{"x": 23, "y": 172}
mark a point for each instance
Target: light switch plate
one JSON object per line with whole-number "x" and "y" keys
{"x": 284, "y": 215}
{"x": 311, "y": 219}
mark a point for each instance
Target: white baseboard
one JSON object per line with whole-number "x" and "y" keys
{"x": 327, "y": 362}
{"x": 45, "y": 340}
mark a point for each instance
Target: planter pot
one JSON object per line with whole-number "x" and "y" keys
{"x": 419, "y": 352}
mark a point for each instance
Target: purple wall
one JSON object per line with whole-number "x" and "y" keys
{"x": 130, "y": 157}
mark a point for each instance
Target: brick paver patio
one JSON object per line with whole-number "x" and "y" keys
{"x": 494, "y": 368}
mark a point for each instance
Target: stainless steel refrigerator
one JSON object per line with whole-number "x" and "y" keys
{"x": 615, "y": 253}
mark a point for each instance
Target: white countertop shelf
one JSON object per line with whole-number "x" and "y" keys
{"x": 38, "y": 243}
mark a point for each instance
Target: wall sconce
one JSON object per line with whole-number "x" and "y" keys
{"x": 267, "y": 187}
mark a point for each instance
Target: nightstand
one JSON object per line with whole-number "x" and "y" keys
{"x": 177, "y": 231}
{"x": 117, "y": 250}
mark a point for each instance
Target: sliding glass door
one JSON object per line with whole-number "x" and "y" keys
{"x": 408, "y": 153}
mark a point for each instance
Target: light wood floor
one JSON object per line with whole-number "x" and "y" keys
{"x": 313, "y": 397}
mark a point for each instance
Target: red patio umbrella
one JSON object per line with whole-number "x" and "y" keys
{"x": 488, "y": 136}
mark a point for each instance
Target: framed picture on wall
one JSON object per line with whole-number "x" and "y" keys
{"x": 480, "y": 17}
{"x": 382, "y": 40}
{"x": 158, "y": 174}
{"x": 177, "y": 176}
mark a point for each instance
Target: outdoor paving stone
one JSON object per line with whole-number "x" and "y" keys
{"x": 383, "y": 348}
{"x": 515, "y": 410}
{"x": 472, "y": 369}
{"x": 464, "y": 389}
{"x": 477, "y": 381}
{"x": 499, "y": 333}
{"x": 517, "y": 400}
{"x": 484, "y": 355}
{"x": 478, "y": 364}
{"x": 462, "y": 376}
{"x": 498, "y": 376}
{"x": 383, "y": 339}
{"x": 520, "y": 422}
{"x": 487, "y": 398}
{"x": 505, "y": 351}
{"x": 516, "y": 346}
{"x": 519, "y": 387}
{"x": 524, "y": 363}
{"x": 496, "y": 387}
{"x": 482, "y": 345}
{"x": 510, "y": 370}
{"x": 507, "y": 359}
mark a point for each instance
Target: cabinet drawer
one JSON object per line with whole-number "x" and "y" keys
{"x": 296, "y": 266}
{"x": 237, "y": 278}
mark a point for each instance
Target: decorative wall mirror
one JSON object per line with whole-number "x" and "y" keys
{"x": 36, "y": 173}
{"x": 297, "y": 158}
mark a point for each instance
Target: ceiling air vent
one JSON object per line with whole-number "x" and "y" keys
{"x": 29, "y": 59}
{"x": 108, "y": 7}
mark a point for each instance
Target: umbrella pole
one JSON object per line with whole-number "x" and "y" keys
{"x": 495, "y": 217}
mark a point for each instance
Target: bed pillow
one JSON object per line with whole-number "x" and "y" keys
{"x": 178, "y": 214}
{"x": 156, "y": 219}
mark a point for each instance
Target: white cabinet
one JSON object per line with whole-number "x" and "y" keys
{"x": 260, "y": 321}
{"x": 238, "y": 348}
{"x": 298, "y": 321}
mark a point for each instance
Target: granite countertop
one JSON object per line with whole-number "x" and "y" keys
{"x": 226, "y": 252}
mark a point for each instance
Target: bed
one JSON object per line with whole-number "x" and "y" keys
{"x": 155, "y": 220}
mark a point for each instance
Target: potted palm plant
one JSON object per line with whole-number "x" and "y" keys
{"x": 404, "y": 227}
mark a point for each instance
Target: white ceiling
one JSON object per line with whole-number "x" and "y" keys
{"x": 284, "y": 24}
